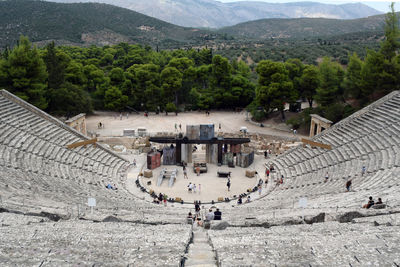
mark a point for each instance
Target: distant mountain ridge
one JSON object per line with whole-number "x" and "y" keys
{"x": 87, "y": 24}
{"x": 303, "y": 27}
{"x": 214, "y": 14}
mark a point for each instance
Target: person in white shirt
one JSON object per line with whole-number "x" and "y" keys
{"x": 210, "y": 215}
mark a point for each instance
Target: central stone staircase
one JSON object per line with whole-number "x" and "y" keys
{"x": 201, "y": 253}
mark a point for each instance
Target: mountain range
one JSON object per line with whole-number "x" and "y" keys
{"x": 214, "y": 14}
{"x": 86, "y": 24}
{"x": 303, "y": 27}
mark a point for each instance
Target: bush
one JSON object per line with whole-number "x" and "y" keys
{"x": 295, "y": 122}
{"x": 170, "y": 107}
{"x": 257, "y": 113}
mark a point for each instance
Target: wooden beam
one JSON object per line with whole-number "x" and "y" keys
{"x": 313, "y": 144}
{"x": 83, "y": 143}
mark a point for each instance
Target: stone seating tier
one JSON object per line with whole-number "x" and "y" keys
{"x": 87, "y": 243}
{"x": 324, "y": 244}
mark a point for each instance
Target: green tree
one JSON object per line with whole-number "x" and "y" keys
{"x": 74, "y": 73}
{"x": 117, "y": 76}
{"x": 221, "y": 72}
{"x": 295, "y": 68}
{"x": 114, "y": 99}
{"x": 308, "y": 83}
{"x": 353, "y": 81}
{"x": 170, "y": 107}
{"x": 171, "y": 80}
{"x": 56, "y": 63}
{"x": 69, "y": 99}
{"x": 144, "y": 77}
{"x": 331, "y": 76}
{"x": 391, "y": 43}
{"x": 379, "y": 76}
{"x": 24, "y": 74}
{"x": 274, "y": 86}
{"x": 94, "y": 77}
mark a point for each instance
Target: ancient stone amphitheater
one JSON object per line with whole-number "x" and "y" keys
{"x": 45, "y": 221}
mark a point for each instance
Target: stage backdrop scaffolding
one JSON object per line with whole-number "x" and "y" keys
{"x": 217, "y": 148}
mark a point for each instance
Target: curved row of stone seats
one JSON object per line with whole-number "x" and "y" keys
{"x": 47, "y": 149}
{"x": 367, "y": 138}
{"x": 72, "y": 243}
{"x": 24, "y": 191}
{"x": 34, "y": 157}
{"x": 322, "y": 244}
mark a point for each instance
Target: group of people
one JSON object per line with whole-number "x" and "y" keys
{"x": 371, "y": 203}
{"x": 240, "y": 200}
{"x": 121, "y": 115}
{"x": 192, "y": 188}
{"x": 100, "y": 125}
{"x": 216, "y": 215}
{"x": 210, "y": 216}
{"x": 266, "y": 153}
{"x": 162, "y": 198}
{"x": 176, "y": 127}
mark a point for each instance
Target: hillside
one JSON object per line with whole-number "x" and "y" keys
{"x": 214, "y": 14}
{"x": 88, "y": 23}
{"x": 304, "y": 27}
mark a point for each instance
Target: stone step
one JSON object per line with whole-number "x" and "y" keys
{"x": 200, "y": 263}
{"x": 197, "y": 253}
{"x": 200, "y": 251}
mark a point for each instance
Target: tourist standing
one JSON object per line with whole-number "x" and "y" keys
{"x": 165, "y": 200}
{"x": 190, "y": 187}
{"x": 228, "y": 184}
{"x": 267, "y": 172}
{"x": 197, "y": 208}
{"x": 185, "y": 172}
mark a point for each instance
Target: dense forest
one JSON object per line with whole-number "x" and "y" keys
{"x": 67, "y": 80}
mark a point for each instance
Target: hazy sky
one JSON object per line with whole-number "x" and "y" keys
{"x": 378, "y": 5}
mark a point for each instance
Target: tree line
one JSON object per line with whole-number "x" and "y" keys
{"x": 67, "y": 80}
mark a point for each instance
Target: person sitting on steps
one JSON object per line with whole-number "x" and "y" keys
{"x": 217, "y": 215}
{"x": 369, "y": 204}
